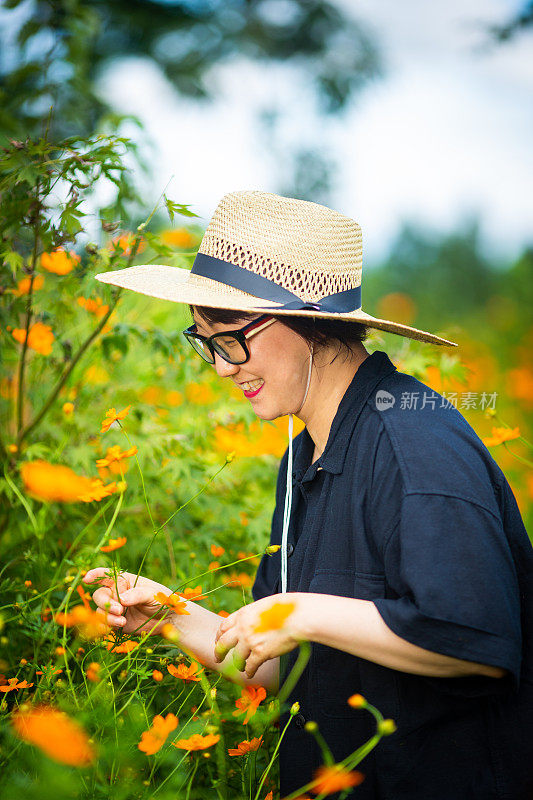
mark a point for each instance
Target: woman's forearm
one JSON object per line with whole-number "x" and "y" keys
{"x": 197, "y": 634}
{"x": 356, "y": 627}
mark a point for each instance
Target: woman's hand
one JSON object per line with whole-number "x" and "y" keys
{"x": 138, "y": 602}
{"x": 262, "y": 630}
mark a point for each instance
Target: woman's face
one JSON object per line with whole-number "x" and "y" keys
{"x": 279, "y": 364}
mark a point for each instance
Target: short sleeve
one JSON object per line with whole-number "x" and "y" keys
{"x": 449, "y": 562}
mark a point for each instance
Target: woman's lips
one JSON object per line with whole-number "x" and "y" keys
{"x": 253, "y": 394}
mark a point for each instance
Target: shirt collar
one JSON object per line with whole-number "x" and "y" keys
{"x": 375, "y": 367}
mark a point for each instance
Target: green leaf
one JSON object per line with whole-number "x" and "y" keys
{"x": 13, "y": 260}
{"x": 177, "y": 208}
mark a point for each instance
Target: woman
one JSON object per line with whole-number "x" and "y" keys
{"x": 402, "y": 548}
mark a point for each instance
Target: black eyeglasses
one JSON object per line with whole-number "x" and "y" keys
{"x": 230, "y": 345}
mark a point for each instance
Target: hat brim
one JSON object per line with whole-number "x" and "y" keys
{"x": 181, "y": 286}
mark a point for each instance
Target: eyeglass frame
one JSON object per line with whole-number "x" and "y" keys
{"x": 241, "y": 334}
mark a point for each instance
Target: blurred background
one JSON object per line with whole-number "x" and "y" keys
{"x": 413, "y": 118}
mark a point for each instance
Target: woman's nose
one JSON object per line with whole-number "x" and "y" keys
{"x": 224, "y": 368}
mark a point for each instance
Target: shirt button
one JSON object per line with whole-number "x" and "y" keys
{"x": 299, "y": 721}
{"x": 290, "y": 549}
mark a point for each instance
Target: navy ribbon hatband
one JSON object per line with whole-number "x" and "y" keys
{"x": 222, "y": 271}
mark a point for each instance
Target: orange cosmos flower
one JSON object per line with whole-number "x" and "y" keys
{"x": 68, "y": 408}
{"x": 269, "y": 796}
{"x": 242, "y": 579}
{"x": 14, "y": 683}
{"x": 172, "y": 601}
{"x": 246, "y": 747}
{"x": 97, "y": 491}
{"x": 89, "y": 623}
{"x": 157, "y": 676}
{"x": 93, "y": 671}
{"x": 217, "y": 551}
{"x": 334, "y": 779}
{"x": 114, "y": 544}
{"x": 500, "y": 435}
{"x": 59, "y": 261}
{"x": 190, "y": 673}
{"x": 40, "y": 337}
{"x": 274, "y": 617}
{"x": 251, "y": 697}
{"x": 23, "y": 286}
{"x": 55, "y": 734}
{"x": 112, "y": 416}
{"x": 125, "y": 646}
{"x": 197, "y": 742}
{"x": 192, "y": 594}
{"x": 46, "y": 481}
{"x": 155, "y": 737}
{"x": 125, "y": 242}
{"x": 96, "y": 307}
{"x": 49, "y": 671}
{"x": 60, "y": 651}
{"x": 214, "y": 565}
{"x": 115, "y": 454}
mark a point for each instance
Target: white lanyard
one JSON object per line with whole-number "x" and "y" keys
{"x": 288, "y": 489}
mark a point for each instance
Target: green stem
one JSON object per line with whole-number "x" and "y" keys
{"x": 212, "y": 478}
{"x": 22, "y": 434}
{"x": 22, "y": 363}
{"x": 270, "y": 763}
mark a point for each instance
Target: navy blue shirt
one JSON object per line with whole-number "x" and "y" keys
{"x": 407, "y": 508}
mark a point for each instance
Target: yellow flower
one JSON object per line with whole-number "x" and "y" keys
{"x": 68, "y": 408}
{"x": 59, "y": 261}
{"x": 179, "y": 237}
{"x": 200, "y": 393}
{"x": 96, "y": 374}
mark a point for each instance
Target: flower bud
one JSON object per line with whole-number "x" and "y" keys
{"x": 357, "y": 701}
{"x": 386, "y": 727}
{"x": 295, "y": 709}
{"x": 311, "y": 726}
{"x": 272, "y": 548}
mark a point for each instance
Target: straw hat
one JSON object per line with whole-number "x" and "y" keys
{"x": 262, "y": 252}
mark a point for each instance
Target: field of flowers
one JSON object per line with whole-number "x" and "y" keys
{"x": 122, "y": 449}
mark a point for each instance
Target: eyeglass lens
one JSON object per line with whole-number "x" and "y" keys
{"x": 226, "y": 346}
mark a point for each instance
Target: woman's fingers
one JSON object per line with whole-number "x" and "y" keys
{"x": 240, "y": 653}
{"x": 111, "y": 619}
{"x": 225, "y": 644}
{"x": 105, "y": 598}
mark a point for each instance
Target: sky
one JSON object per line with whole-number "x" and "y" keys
{"x": 443, "y": 137}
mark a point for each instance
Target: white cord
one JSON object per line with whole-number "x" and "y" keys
{"x": 288, "y": 489}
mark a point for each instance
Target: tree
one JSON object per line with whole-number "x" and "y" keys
{"x": 54, "y": 51}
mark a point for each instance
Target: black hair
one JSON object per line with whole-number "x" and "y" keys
{"x": 316, "y": 331}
